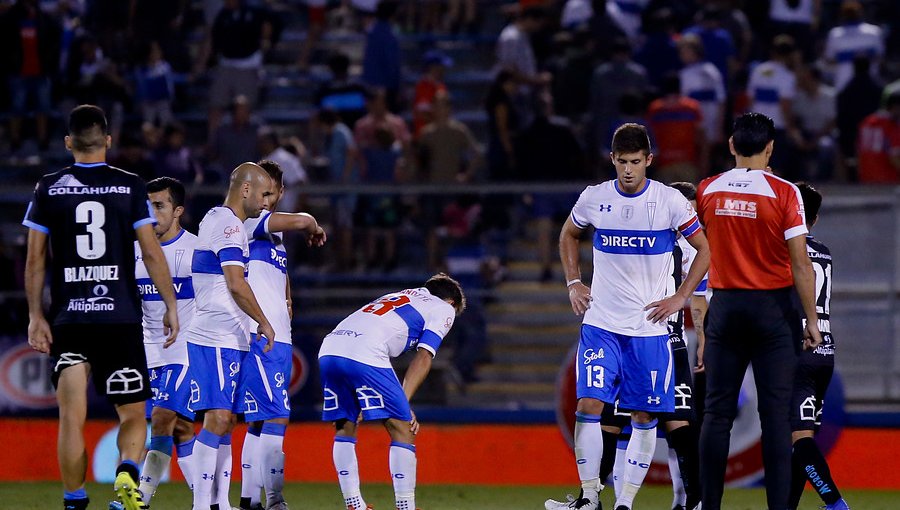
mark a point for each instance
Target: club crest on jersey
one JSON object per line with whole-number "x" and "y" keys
{"x": 651, "y": 213}
{"x": 627, "y": 212}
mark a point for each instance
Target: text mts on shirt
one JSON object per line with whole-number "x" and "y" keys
{"x": 748, "y": 215}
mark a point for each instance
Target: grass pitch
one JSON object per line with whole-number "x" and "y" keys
{"x": 302, "y": 496}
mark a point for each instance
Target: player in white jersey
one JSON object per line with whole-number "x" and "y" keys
{"x": 358, "y": 381}
{"x": 773, "y": 85}
{"x": 219, "y": 336}
{"x": 265, "y": 376}
{"x": 852, "y": 39}
{"x": 624, "y": 348}
{"x": 171, "y": 418}
{"x": 702, "y": 82}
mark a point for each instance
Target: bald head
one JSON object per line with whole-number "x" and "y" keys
{"x": 249, "y": 190}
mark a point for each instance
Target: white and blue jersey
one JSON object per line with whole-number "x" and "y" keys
{"x": 218, "y": 334}
{"x": 621, "y": 354}
{"x": 354, "y": 359}
{"x": 848, "y": 41}
{"x": 265, "y": 375}
{"x": 770, "y": 83}
{"x": 703, "y": 83}
{"x": 168, "y": 366}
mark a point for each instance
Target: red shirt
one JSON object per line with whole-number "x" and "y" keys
{"x": 674, "y": 125}
{"x": 31, "y": 60}
{"x": 878, "y": 138}
{"x": 749, "y": 215}
{"x": 426, "y": 89}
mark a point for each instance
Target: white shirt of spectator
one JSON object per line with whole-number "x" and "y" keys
{"x": 219, "y": 322}
{"x": 702, "y": 82}
{"x": 633, "y": 242}
{"x": 179, "y": 253}
{"x": 770, "y": 82}
{"x": 294, "y": 175}
{"x": 779, "y": 10}
{"x": 380, "y": 331}
{"x": 576, "y": 13}
{"x": 267, "y": 275}
{"x": 627, "y": 14}
{"x": 365, "y": 5}
{"x": 514, "y": 51}
{"x": 845, "y": 42}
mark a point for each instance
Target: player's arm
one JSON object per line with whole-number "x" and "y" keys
{"x": 245, "y": 299}
{"x": 39, "y": 335}
{"x": 666, "y": 307}
{"x": 288, "y": 298}
{"x": 417, "y": 371}
{"x": 569, "y": 240}
{"x": 158, "y": 269}
{"x": 298, "y": 222}
{"x": 699, "y": 306}
{"x": 805, "y": 284}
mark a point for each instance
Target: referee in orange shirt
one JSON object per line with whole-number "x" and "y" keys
{"x": 757, "y": 238}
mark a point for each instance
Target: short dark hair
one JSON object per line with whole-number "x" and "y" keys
{"x": 630, "y": 138}
{"x": 812, "y": 201}
{"x": 686, "y": 188}
{"x": 176, "y": 189}
{"x": 752, "y": 132}
{"x": 443, "y": 286}
{"x": 273, "y": 169}
{"x": 671, "y": 83}
{"x": 87, "y": 128}
{"x": 783, "y": 45}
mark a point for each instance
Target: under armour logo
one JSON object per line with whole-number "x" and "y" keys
{"x": 604, "y": 208}
{"x": 653, "y": 400}
{"x": 207, "y": 476}
{"x": 276, "y": 471}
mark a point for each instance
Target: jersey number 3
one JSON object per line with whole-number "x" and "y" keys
{"x": 385, "y": 305}
{"x": 92, "y": 245}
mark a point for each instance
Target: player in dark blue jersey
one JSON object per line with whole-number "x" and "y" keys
{"x": 813, "y": 375}
{"x": 87, "y": 217}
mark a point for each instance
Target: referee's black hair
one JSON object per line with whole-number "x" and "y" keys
{"x": 443, "y": 286}
{"x": 752, "y": 132}
{"x": 630, "y": 138}
{"x": 686, "y": 188}
{"x": 274, "y": 170}
{"x": 176, "y": 189}
{"x": 812, "y": 201}
{"x": 87, "y": 128}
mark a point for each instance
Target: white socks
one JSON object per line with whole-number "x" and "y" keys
{"x": 679, "y": 495}
{"x": 638, "y": 456}
{"x": 186, "y": 461}
{"x": 402, "y": 460}
{"x": 347, "y": 467}
{"x": 588, "y": 452}
{"x": 206, "y": 450}
{"x": 158, "y": 457}
{"x": 619, "y": 468}
{"x": 223, "y": 473}
{"x": 271, "y": 442}
{"x": 251, "y": 481}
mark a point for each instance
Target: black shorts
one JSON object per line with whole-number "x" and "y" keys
{"x": 115, "y": 353}
{"x": 810, "y": 384}
{"x": 614, "y": 417}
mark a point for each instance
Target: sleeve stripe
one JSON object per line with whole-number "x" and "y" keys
{"x": 576, "y": 222}
{"x": 793, "y": 232}
{"x": 34, "y": 226}
{"x": 690, "y": 228}
{"x": 145, "y": 221}
{"x": 231, "y": 263}
{"x": 231, "y": 254}
{"x": 430, "y": 340}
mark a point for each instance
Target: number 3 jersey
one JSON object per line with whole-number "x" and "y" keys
{"x": 90, "y": 213}
{"x": 390, "y": 326}
{"x": 179, "y": 252}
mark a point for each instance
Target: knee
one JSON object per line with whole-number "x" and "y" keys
{"x": 590, "y": 406}
{"x": 218, "y": 422}
{"x": 641, "y": 417}
{"x": 162, "y": 421}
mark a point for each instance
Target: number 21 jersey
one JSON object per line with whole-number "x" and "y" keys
{"x": 90, "y": 212}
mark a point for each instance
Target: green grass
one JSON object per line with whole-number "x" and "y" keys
{"x": 47, "y": 495}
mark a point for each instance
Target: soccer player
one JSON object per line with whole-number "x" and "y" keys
{"x": 171, "y": 419}
{"x": 219, "y": 335}
{"x": 87, "y": 216}
{"x": 814, "y": 372}
{"x": 355, "y": 365}
{"x": 264, "y": 379}
{"x": 624, "y": 347}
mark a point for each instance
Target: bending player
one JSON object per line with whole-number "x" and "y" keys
{"x": 355, "y": 366}
{"x": 218, "y": 337}
{"x": 264, "y": 378}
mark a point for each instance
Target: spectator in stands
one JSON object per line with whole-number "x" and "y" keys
{"x": 604, "y": 31}
{"x": 738, "y": 26}
{"x": 815, "y": 110}
{"x": 162, "y": 21}
{"x": 658, "y": 53}
{"x": 173, "y": 158}
{"x": 288, "y": 156}
{"x": 628, "y": 14}
{"x": 107, "y": 22}
{"x": 341, "y": 94}
{"x": 852, "y": 39}
{"x": 380, "y": 117}
{"x": 771, "y": 90}
{"x": 92, "y": 78}
{"x": 132, "y": 156}
{"x": 610, "y": 81}
{"x": 448, "y": 152}
{"x": 859, "y": 98}
{"x": 878, "y": 145}
{"x": 240, "y": 37}
{"x": 798, "y": 19}
{"x": 681, "y": 152}
{"x": 341, "y": 158}
{"x": 154, "y": 86}
{"x": 429, "y": 85}
{"x": 29, "y": 61}
{"x": 503, "y": 123}
{"x": 234, "y": 141}
{"x": 571, "y": 69}
{"x": 514, "y": 50}
{"x": 702, "y": 82}
{"x": 717, "y": 42}
{"x": 316, "y": 14}
{"x": 381, "y": 60}
{"x": 576, "y": 14}
{"x": 461, "y": 16}
{"x": 549, "y": 151}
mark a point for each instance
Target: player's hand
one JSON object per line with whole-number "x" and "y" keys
{"x": 662, "y": 309}
{"x": 290, "y": 308}
{"x": 170, "y": 326}
{"x": 317, "y": 238}
{"x": 265, "y": 330}
{"x": 811, "y": 335}
{"x": 413, "y": 423}
{"x": 580, "y": 297}
{"x": 700, "y": 367}
{"x": 39, "y": 335}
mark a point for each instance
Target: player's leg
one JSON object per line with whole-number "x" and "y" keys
{"x": 402, "y": 461}
{"x": 681, "y": 432}
{"x": 131, "y": 440}
{"x": 272, "y": 453}
{"x": 224, "y": 467}
{"x": 638, "y": 455}
{"x": 621, "y": 462}
{"x": 159, "y": 455}
{"x": 340, "y": 407}
{"x": 71, "y": 396}
{"x": 184, "y": 448}
{"x": 251, "y": 471}
{"x": 613, "y": 422}
{"x": 679, "y": 497}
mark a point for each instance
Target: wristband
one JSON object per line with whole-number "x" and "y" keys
{"x": 571, "y": 282}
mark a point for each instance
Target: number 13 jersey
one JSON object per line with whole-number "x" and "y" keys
{"x": 90, "y": 212}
